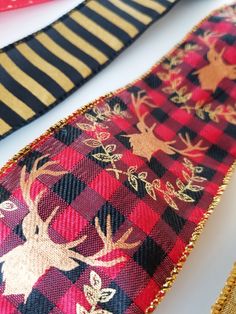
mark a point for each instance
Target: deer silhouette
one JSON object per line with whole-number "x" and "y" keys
{"x": 212, "y": 74}
{"x": 146, "y": 143}
{"x": 26, "y": 263}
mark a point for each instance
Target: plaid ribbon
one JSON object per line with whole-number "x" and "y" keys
{"x": 99, "y": 214}
{"x": 41, "y": 70}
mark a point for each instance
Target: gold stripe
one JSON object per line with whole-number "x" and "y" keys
{"x": 159, "y": 8}
{"x": 80, "y": 43}
{"x": 25, "y": 80}
{"x": 4, "y": 127}
{"x": 64, "y": 55}
{"x": 112, "y": 17}
{"x": 97, "y": 30}
{"x": 15, "y": 104}
{"x": 141, "y": 17}
{"x": 45, "y": 67}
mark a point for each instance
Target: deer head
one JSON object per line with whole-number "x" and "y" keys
{"x": 212, "y": 74}
{"x": 146, "y": 143}
{"x": 25, "y": 264}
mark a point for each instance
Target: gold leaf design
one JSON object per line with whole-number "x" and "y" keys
{"x": 92, "y": 142}
{"x": 95, "y": 295}
{"x": 106, "y": 295}
{"x": 228, "y": 113}
{"x": 80, "y": 309}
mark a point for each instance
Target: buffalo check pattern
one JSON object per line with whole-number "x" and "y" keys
{"x": 100, "y": 187}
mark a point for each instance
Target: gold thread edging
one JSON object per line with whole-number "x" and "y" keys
{"x": 170, "y": 280}
{"x": 225, "y": 293}
{"x": 195, "y": 236}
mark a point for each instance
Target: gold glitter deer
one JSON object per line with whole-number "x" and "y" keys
{"x": 26, "y": 263}
{"x": 146, "y": 143}
{"x": 212, "y": 74}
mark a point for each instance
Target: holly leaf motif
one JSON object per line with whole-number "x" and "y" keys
{"x": 92, "y": 142}
{"x": 95, "y": 280}
{"x": 91, "y": 294}
{"x": 80, "y": 309}
{"x": 106, "y": 295}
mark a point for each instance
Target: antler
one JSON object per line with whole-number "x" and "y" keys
{"x": 108, "y": 246}
{"x": 142, "y": 99}
{"x": 208, "y": 36}
{"x": 190, "y": 148}
{"x": 33, "y": 219}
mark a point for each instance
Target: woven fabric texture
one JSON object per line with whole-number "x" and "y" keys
{"x": 97, "y": 213}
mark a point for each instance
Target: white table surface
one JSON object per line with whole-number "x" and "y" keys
{"x": 204, "y": 273}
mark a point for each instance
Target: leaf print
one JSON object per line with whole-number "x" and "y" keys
{"x": 110, "y": 148}
{"x": 8, "y": 206}
{"x": 92, "y": 142}
{"x": 106, "y": 295}
{"x": 95, "y": 294}
{"x": 150, "y": 190}
{"x": 95, "y": 280}
{"x": 80, "y": 309}
{"x": 133, "y": 182}
{"x": 102, "y": 136}
{"x": 103, "y": 157}
{"x": 85, "y": 126}
{"x": 170, "y": 202}
{"x": 91, "y": 294}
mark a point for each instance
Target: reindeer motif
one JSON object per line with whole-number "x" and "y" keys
{"x": 212, "y": 74}
{"x": 25, "y": 264}
{"x": 146, "y": 143}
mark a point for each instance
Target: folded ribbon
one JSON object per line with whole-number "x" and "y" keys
{"x": 39, "y": 71}
{"x": 99, "y": 214}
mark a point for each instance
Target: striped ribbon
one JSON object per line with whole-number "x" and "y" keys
{"x": 39, "y": 71}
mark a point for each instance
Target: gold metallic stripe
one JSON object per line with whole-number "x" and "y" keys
{"x": 64, "y": 55}
{"x": 4, "y": 127}
{"x": 141, "y": 17}
{"x": 159, "y": 8}
{"x": 25, "y": 80}
{"x": 112, "y": 17}
{"x": 45, "y": 67}
{"x": 80, "y": 43}
{"x": 97, "y": 30}
{"x": 15, "y": 104}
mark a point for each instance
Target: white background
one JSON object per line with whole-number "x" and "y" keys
{"x": 203, "y": 276}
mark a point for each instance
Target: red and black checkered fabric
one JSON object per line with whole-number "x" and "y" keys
{"x": 132, "y": 178}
